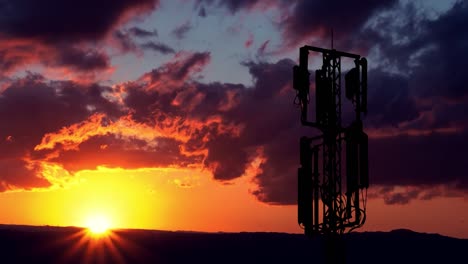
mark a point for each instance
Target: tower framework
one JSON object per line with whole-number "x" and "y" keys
{"x": 327, "y": 202}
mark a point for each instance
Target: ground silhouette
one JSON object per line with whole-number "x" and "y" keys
{"x": 27, "y": 244}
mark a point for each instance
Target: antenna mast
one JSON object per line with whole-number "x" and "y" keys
{"x": 326, "y": 204}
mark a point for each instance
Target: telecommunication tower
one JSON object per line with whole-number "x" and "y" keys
{"x": 328, "y": 203}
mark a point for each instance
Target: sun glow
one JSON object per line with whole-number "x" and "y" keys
{"x": 98, "y": 225}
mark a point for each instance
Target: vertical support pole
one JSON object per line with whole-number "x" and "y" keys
{"x": 363, "y": 63}
{"x": 305, "y": 190}
{"x": 316, "y": 190}
{"x": 305, "y": 83}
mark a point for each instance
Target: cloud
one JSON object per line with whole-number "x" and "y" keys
{"x": 17, "y": 173}
{"x": 236, "y": 5}
{"x": 262, "y": 49}
{"x": 126, "y": 38}
{"x": 181, "y": 31}
{"x": 122, "y": 151}
{"x": 432, "y": 159}
{"x": 425, "y": 49}
{"x": 81, "y": 59}
{"x": 181, "y": 69}
{"x": 63, "y": 35}
{"x": 390, "y": 100}
{"x": 142, "y": 33}
{"x": 158, "y": 47}
{"x": 317, "y": 18}
{"x": 441, "y": 67}
{"x": 125, "y": 41}
{"x": 263, "y": 107}
{"x": 89, "y": 124}
{"x": 232, "y": 114}
{"x": 416, "y": 112}
{"x": 169, "y": 117}
{"x": 53, "y": 21}
{"x": 151, "y": 127}
{"x": 304, "y": 21}
{"x": 202, "y": 12}
{"x": 419, "y": 62}
{"x": 400, "y": 195}
{"x": 17, "y": 54}
{"x": 31, "y": 107}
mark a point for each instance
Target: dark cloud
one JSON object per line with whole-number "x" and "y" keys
{"x": 202, "y": 12}
{"x": 441, "y": 68}
{"x": 396, "y": 34}
{"x": 30, "y": 107}
{"x": 429, "y": 51}
{"x": 158, "y": 47}
{"x": 181, "y": 70}
{"x": 55, "y": 20}
{"x": 226, "y": 165}
{"x": 417, "y": 89}
{"x": 125, "y": 41}
{"x": 142, "y": 33}
{"x": 181, "y": 31}
{"x": 17, "y": 173}
{"x": 390, "y": 102}
{"x": 81, "y": 59}
{"x": 33, "y": 102}
{"x": 73, "y": 57}
{"x": 303, "y": 20}
{"x": 420, "y": 61}
{"x": 432, "y": 159}
{"x": 232, "y": 5}
{"x": 64, "y": 35}
{"x": 317, "y": 18}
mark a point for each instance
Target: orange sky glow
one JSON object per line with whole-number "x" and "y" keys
{"x": 187, "y": 199}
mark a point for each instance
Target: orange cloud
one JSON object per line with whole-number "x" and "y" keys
{"x": 69, "y": 138}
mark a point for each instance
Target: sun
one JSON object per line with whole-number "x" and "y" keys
{"x": 98, "y": 225}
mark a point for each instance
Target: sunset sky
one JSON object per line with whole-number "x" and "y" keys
{"x": 179, "y": 115}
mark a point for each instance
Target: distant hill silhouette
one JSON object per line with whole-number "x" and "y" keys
{"x": 29, "y": 244}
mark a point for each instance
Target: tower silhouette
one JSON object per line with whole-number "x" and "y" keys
{"x": 326, "y": 204}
